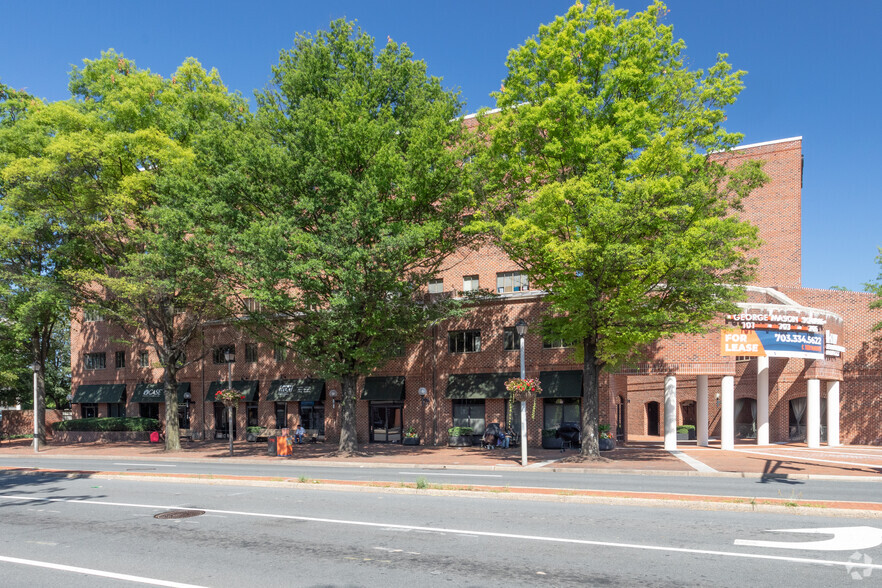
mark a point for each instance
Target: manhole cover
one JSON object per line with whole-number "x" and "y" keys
{"x": 179, "y": 514}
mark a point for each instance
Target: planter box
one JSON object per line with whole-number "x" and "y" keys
{"x": 100, "y": 436}
{"x": 460, "y": 441}
{"x": 551, "y": 443}
{"x": 607, "y": 444}
{"x": 411, "y": 441}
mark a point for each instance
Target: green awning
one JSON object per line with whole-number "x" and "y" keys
{"x": 154, "y": 393}
{"x": 390, "y": 388}
{"x": 564, "y": 384}
{"x": 465, "y": 386}
{"x": 92, "y": 393}
{"x": 246, "y": 387}
{"x": 302, "y": 390}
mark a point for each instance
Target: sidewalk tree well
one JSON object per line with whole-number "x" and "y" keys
{"x": 352, "y": 196}
{"x": 601, "y": 187}
{"x": 114, "y": 165}
{"x": 34, "y": 301}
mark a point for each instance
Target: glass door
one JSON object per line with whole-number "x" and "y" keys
{"x": 386, "y": 424}
{"x": 221, "y": 422}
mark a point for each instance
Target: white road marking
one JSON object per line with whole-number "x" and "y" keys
{"x": 148, "y": 465}
{"x": 463, "y": 475}
{"x": 396, "y": 527}
{"x": 691, "y": 461}
{"x": 542, "y": 464}
{"x": 797, "y": 457}
{"x": 91, "y": 572}
{"x": 844, "y": 539}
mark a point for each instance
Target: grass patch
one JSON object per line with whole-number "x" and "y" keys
{"x": 421, "y": 483}
{"x": 303, "y": 479}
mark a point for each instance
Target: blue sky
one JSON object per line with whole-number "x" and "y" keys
{"x": 813, "y": 71}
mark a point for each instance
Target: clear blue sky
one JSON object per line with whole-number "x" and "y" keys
{"x": 813, "y": 71}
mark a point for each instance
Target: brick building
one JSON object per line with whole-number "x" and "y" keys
{"x": 455, "y": 375}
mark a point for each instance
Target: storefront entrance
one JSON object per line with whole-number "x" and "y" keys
{"x": 386, "y": 422}
{"x": 221, "y": 422}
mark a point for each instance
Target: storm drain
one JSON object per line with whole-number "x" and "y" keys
{"x": 179, "y": 514}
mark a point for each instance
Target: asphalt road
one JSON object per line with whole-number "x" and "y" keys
{"x": 107, "y": 532}
{"x": 856, "y": 489}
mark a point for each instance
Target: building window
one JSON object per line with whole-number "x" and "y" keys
{"x": 120, "y": 359}
{"x": 252, "y": 305}
{"x": 184, "y": 415}
{"x": 469, "y": 283}
{"x": 560, "y": 410}
{"x": 116, "y": 409}
{"x": 511, "y": 282}
{"x": 556, "y": 344}
{"x": 89, "y": 410}
{"x": 219, "y": 353}
{"x": 510, "y": 339}
{"x": 469, "y": 413}
{"x": 251, "y": 414}
{"x": 92, "y": 315}
{"x": 280, "y": 352}
{"x": 149, "y": 410}
{"x": 144, "y": 359}
{"x": 312, "y": 416}
{"x": 464, "y": 341}
{"x": 397, "y": 349}
{"x": 281, "y": 415}
{"x": 95, "y": 361}
{"x": 436, "y": 286}
{"x": 250, "y": 353}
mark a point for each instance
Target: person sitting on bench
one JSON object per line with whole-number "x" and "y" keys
{"x": 299, "y": 432}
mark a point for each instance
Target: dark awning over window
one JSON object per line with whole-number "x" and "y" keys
{"x": 246, "y": 387}
{"x": 565, "y": 384}
{"x": 389, "y": 388}
{"x": 91, "y": 393}
{"x": 302, "y": 390}
{"x": 153, "y": 393}
{"x": 464, "y": 386}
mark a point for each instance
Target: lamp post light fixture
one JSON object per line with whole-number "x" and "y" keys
{"x": 521, "y": 328}
{"x": 333, "y": 394}
{"x": 35, "y": 367}
{"x": 230, "y": 357}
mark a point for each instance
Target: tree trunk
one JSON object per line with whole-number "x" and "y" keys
{"x": 590, "y": 401}
{"x": 172, "y": 430}
{"x": 348, "y": 439}
{"x": 40, "y": 400}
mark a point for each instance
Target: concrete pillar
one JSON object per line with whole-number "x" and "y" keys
{"x": 701, "y": 410}
{"x": 762, "y": 400}
{"x": 813, "y": 414}
{"x": 670, "y": 413}
{"x": 833, "y": 413}
{"x": 727, "y": 417}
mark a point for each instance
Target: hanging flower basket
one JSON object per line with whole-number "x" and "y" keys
{"x": 229, "y": 396}
{"x": 523, "y": 390}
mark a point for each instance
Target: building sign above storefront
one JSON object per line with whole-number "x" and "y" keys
{"x": 779, "y": 322}
{"x": 771, "y": 343}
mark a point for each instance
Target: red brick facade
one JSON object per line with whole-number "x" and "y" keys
{"x": 775, "y": 209}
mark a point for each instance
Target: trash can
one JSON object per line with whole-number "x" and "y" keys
{"x": 271, "y": 446}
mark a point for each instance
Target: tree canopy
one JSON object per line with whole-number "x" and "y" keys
{"x": 604, "y": 191}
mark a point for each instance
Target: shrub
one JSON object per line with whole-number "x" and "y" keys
{"x": 549, "y": 433}
{"x": 685, "y": 428}
{"x": 253, "y": 430}
{"x": 109, "y": 424}
{"x": 460, "y": 431}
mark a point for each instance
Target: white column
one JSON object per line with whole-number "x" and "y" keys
{"x": 813, "y": 414}
{"x": 670, "y": 413}
{"x": 833, "y": 413}
{"x": 727, "y": 417}
{"x": 762, "y": 400}
{"x": 701, "y": 409}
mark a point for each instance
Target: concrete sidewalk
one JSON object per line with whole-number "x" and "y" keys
{"x": 792, "y": 460}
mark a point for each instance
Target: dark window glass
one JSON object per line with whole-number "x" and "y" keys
{"x": 95, "y": 361}
{"x": 89, "y": 410}
{"x": 469, "y": 413}
{"x": 116, "y": 409}
{"x": 219, "y": 353}
{"x": 144, "y": 359}
{"x": 251, "y": 414}
{"x": 560, "y": 410}
{"x": 556, "y": 344}
{"x": 184, "y": 415}
{"x": 149, "y": 410}
{"x": 120, "y": 359}
{"x": 280, "y": 352}
{"x": 250, "y": 353}
{"x": 464, "y": 341}
{"x": 510, "y": 339}
{"x": 312, "y": 416}
{"x": 281, "y": 415}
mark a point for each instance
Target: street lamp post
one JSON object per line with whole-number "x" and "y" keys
{"x": 230, "y": 357}
{"x": 35, "y": 367}
{"x": 521, "y": 328}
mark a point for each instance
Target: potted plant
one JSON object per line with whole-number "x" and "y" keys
{"x": 606, "y": 440}
{"x": 550, "y": 440}
{"x": 459, "y": 436}
{"x": 411, "y": 437}
{"x": 686, "y": 433}
{"x": 252, "y": 433}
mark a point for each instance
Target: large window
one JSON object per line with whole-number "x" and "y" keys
{"x": 149, "y": 410}
{"x": 116, "y": 409}
{"x": 219, "y": 353}
{"x": 464, "y": 341}
{"x": 312, "y": 416}
{"x": 560, "y": 410}
{"x": 89, "y": 410}
{"x": 510, "y": 339}
{"x": 511, "y": 282}
{"x": 556, "y": 344}
{"x": 281, "y": 415}
{"x": 469, "y": 413}
{"x": 95, "y": 361}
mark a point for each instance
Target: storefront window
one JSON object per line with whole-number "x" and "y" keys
{"x": 184, "y": 415}
{"x": 560, "y": 410}
{"x": 281, "y": 415}
{"x": 469, "y": 413}
{"x": 312, "y": 416}
{"x": 89, "y": 410}
{"x": 251, "y": 414}
{"x": 148, "y": 410}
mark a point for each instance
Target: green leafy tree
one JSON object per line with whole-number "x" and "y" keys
{"x": 116, "y": 164}
{"x": 352, "y": 197}
{"x": 34, "y": 300}
{"x": 603, "y": 190}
